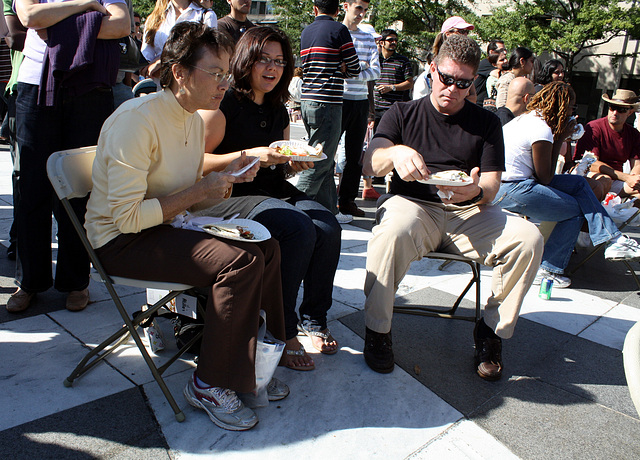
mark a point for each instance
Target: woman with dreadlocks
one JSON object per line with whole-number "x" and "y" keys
{"x": 530, "y": 186}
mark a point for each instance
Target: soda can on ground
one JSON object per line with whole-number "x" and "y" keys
{"x": 545, "y": 288}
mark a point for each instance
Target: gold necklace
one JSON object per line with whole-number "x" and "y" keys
{"x": 184, "y": 125}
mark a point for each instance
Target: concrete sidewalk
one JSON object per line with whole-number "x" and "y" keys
{"x": 563, "y": 395}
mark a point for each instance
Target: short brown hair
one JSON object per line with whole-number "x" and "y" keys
{"x": 186, "y": 44}
{"x": 249, "y": 51}
{"x": 460, "y": 49}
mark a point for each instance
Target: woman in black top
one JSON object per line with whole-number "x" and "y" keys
{"x": 252, "y": 116}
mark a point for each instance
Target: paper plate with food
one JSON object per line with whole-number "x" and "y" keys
{"x": 299, "y": 150}
{"x": 239, "y": 230}
{"x": 449, "y": 178}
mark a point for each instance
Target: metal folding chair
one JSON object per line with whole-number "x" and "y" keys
{"x": 596, "y": 249}
{"x": 443, "y": 312}
{"x": 70, "y": 174}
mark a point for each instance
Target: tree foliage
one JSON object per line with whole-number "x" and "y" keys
{"x": 294, "y": 15}
{"x": 421, "y": 21}
{"x": 570, "y": 29}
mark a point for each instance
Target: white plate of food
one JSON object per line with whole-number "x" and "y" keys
{"x": 239, "y": 230}
{"x": 299, "y": 150}
{"x": 450, "y": 178}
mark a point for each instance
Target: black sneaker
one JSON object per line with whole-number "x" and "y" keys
{"x": 488, "y": 352}
{"x": 378, "y": 352}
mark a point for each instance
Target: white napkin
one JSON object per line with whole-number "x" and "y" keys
{"x": 445, "y": 195}
{"x": 188, "y": 221}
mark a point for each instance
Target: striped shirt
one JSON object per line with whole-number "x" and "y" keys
{"x": 395, "y": 70}
{"x": 356, "y": 88}
{"x": 324, "y": 45}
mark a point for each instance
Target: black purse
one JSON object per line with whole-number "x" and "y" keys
{"x": 131, "y": 58}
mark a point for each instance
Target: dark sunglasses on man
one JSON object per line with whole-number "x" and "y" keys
{"x": 619, "y": 108}
{"x": 448, "y": 80}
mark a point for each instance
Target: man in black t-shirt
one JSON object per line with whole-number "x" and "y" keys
{"x": 438, "y": 133}
{"x": 484, "y": 69}
{"x": 236, "y": 22}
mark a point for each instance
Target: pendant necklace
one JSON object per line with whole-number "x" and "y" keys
{"x": 184, "y": 125}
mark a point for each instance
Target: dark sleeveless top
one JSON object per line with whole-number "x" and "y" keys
{"x": 250, "y": 125}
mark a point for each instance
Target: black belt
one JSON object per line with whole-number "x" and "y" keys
{"x": 513, "y": 181}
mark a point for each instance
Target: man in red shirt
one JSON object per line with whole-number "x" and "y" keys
{"x": 613, "y": 142}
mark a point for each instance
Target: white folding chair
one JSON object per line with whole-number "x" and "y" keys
{"x": 70, "y": 174}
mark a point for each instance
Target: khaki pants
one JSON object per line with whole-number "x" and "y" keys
{"x": 408, "y": 230}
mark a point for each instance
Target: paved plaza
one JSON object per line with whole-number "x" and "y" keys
{"x": 563, "y": 394}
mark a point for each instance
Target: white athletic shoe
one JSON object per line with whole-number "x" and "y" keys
{"x": 344, "y": 218}
{"x": 623, "y": 248}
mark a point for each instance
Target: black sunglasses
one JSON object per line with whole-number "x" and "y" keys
{"x": 619, "y": 109}
{"x": 448, "y": 80}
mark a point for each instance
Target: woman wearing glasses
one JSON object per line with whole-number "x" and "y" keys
{"x": 530, "y": 186}
{"x": 148, "y": 170}
{"x": 252, "y": 116}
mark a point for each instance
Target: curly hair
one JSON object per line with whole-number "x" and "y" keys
{"x": 552, "y": 104}
{"x": 546, "y": 73}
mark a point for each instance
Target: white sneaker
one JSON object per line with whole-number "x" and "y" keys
{"x": 559, "y": 281}
{"x": 584, "y": 240}
{"x": 222, "y": 405}
{"x": 624, "y": 248}
{"x": 344, "y": 218}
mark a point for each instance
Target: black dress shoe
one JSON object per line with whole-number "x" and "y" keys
{"x": 11, "y": 252}
{"x": 351, "y": 209}
{"x": 378, "y": 352}
{"x": 488, "y": 352}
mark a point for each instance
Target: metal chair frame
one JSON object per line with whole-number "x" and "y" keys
{"x": 79, "y": 184}
{"x": 603, "y": 245}
{"x": 443, "y": 312}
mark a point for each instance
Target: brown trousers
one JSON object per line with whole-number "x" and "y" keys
{"x": 243, "y": 278}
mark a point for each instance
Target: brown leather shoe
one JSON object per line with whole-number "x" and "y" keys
{"x": 19, "y": 301}
{"x": 78, "y": 300}
{"x": 351, "y": 209}
{"x": 488, "y": 352}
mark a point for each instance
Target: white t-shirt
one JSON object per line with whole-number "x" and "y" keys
{"x": 34, "y": 48}
{"x": 519, "y": 135}
{"x": 422, "y": 85}
{"x": 193, "y": 13}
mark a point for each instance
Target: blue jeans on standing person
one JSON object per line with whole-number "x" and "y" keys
{"x": 323, "y": 123}
{"x": 568, "y": 200}
{"x": 309, "y": 237}
{"x": 73, "y": 122}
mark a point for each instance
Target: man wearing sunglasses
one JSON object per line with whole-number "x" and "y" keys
{"x": 613, "y": 141}
{"x": 441, "y": 132}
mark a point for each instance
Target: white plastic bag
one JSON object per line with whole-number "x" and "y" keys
{"x": 268, "y": 353}
{"x": 620, "y": 213}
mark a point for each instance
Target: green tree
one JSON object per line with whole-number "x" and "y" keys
{"x": 293, "y": 16}
{"x": 570, "y": 29}
{"x": 421, "y": 21}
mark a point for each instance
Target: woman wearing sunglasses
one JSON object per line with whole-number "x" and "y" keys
{"x": 251, "y": 117}
{"x": 530, "y": 186}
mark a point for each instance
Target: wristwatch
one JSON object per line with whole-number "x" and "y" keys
{"x": 393, "y": 87}
{"x": 478, "y": 197}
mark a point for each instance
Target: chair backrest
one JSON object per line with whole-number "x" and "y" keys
{"x": 70, "y": 172}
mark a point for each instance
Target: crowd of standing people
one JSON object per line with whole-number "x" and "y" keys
{"x": 201, "y": 144}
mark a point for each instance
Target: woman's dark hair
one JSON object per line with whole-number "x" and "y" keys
{"x": 186, "y": 44}
{"x": 519, "y": 53}
{"x": 493, "y": 58}
{"x": 546, "y": 73}
{"x": 249, "y": 51}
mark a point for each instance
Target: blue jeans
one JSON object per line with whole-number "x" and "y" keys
{"x": 74, "y": 122}
{"x": 309, "y": 237}
{"x": 567, "y": 200}
{"x": 323, "y": 123}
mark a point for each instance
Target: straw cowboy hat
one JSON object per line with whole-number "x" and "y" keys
{"x": 622, "y": 97}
